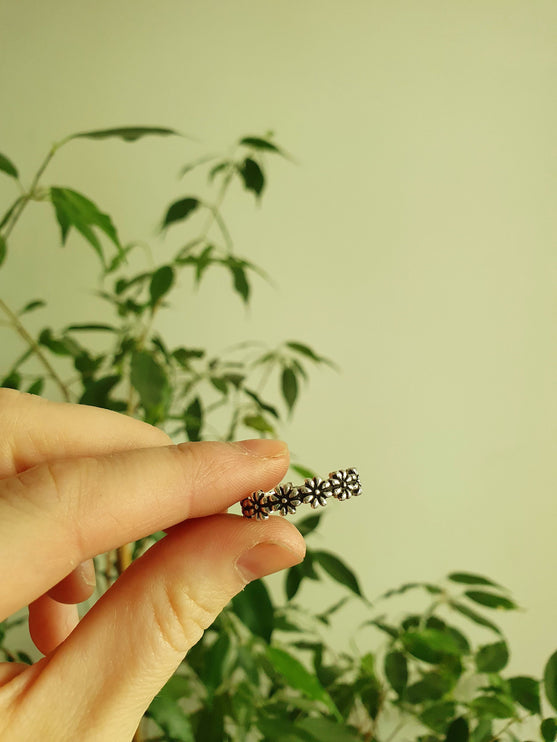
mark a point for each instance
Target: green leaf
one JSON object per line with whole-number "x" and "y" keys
{"x": 180, "y": 210}
{"x": 218, "y": 168}
{"x": 258, "y": 422}
{"x": 209, "y": 722}
{"x": 382, "y": 626}
{"x": 293, "y": 580}
{"x": 492, "y": 657}
{"x": 193, "y": 420}
{"x": 220, "y": 384}
{"x": 526, "y": 692}
{"x": 458, "y": 731}
{"x": 473, "y": 616}
{"x": 262, "y": 144}
{"x": 438, "y": 715}
{"x": 326, "y": 614}
{"x": 196, "y": 163}
{"x": 177, "y": 687}
{"x": 97, "y": 393}
{"x": 31, "y": 306}
{"x": 490, "y": 600}
{"x": 252, "y": 175}
{"x": 306, "y": 351}
{"x": 8, "y": 167}
{"x": 299, "y": 572}
{"x": 483, "y": 731}
{"x": 23, "y": 657}
{"x": 73, "y": 209}
{"x": 338, "y": 570}
{"x": 492, "y": 706}
{"x": 36, "y": 387}
{"x": 289, "y": 384}
{"x": 63, "y": 346}
{"x": 171, "y": 718}
{"x": 90, "y": 328}
{"x": 325, "y": 730}
{"x": 548, "y": 729}
{"x": 431, "y": 687}
{"x": 213, "y": 674}
{"x": 161, "y": 283}
{"x": 149, "y": 378}
{"x": 254, "y": 608}
{"x": 184, "y": 355}
{"x": 3, "y": 249}
{"x": 396, "y": 671}
{"x": 308, "y": 524}
{"x": 299, "y": 678}
{"x": 127, "y": 133}
{"x": 280, "y": 729}
{"x": 550, "y": 680}
{"x": 430, "y": 645}
{"x": 239, "y": 278}
{"x": 260, "y": 403}
{"x": 11, "y": 381}
{"x": 467, "y": 578}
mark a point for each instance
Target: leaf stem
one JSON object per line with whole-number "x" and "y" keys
{"x": 22, "y": 332}
{"x": 30, "y": 193}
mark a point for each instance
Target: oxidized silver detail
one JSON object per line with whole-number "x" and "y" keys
{"x": 256, "y": 506}
{"x": 316, "y": 491}
{"x": 285, "y": 498}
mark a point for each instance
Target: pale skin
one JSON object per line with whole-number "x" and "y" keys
{"x": 77, "y": 481}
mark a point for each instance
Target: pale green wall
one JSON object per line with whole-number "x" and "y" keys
{"x": 414, "y": 243}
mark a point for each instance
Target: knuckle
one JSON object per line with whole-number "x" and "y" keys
{"x": 181, "y": 616}
{"x": 56, "y": 489}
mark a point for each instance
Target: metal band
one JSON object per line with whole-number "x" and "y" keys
{"x": 284, "y": 499}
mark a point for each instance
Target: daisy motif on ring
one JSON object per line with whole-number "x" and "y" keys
{"x": 248, "y": 510}
{"x": 260, "y": 505}
{"x": 316, "y": 491}
{"x": 285, "y": 498}
{"x": 354, "y": 482}
{"x": 341, "y": 482}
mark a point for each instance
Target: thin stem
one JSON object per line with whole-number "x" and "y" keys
{"x": 508, "y": 725}
{"x": 124, "y": 557}
{"x": 396, "y": 730}
{"x": 20, "y": 329}
{"x": 29, "y": 195}
{"x": 214, "y": 213}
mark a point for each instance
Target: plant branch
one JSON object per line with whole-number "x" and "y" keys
{"x": 22, "y": 332}
{"x": 29, "y": 195}
{"x": 214, "y": 212}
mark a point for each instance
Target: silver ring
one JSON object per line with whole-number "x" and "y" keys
{"x": 285, "y": 498}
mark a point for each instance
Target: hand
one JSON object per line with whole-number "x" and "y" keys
{"x": 77, "y": 481}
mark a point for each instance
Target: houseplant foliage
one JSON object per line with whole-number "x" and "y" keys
{"x": 265, "y": 669}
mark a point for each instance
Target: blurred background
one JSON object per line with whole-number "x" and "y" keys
{"x": 412, "y": 242}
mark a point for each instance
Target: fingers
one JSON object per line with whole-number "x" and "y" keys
{"x": 138, "y": 632}
{"x": 35, "y": 430}
{"x": 50, "y": 622}
{"x": 58, "y": 514}
{"x": 76, "y": 587}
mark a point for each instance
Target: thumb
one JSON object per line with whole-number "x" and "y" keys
{"x": 137, "y": 634}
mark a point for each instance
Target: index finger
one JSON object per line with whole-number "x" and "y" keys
{"x": 56, "y": 515}
{"x": 35, "y": 430}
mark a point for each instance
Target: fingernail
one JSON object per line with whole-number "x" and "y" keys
{"x": 87, "y": 573}
{"x": 263, "y": 447}
{"x": 264, "y": 559}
